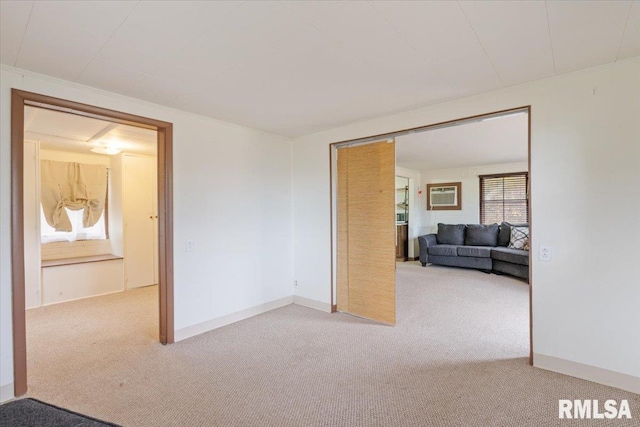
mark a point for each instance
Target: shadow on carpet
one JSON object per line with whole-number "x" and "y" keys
{"x": 34, "y": 413}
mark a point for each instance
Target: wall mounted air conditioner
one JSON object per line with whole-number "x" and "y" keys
{"x": 445, "y": 196}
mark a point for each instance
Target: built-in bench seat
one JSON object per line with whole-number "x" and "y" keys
{"x": 74, "y": 278}
{"x": 78, "y": 260}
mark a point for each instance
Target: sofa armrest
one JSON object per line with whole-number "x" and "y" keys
{"x": 425, "y": 242}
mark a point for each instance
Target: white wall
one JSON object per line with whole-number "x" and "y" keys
{"x": 585, "y": 183}
{"x": 470, "y": 188}
{"x": 115, "y": 211}
{"x": 72, "y": 156}
{"x": 232, "y": 196}
{"x": 31, "y": 206}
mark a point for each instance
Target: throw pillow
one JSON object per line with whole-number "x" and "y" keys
{"x": 481, "y": 235}
{"x": 504, "y": 237}
{"x": 519, "y": 238}
{"x": 449, "y": 234}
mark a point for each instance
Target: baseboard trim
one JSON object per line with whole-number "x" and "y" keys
{"x": 6, "y": 392}
{"x": 587, "y": 372}
{"x": 209, "y": 325}
{"x": 312, "y": 303}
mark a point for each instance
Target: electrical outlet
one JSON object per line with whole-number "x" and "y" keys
{"x": 189, "y": 246}
{"x": 545, "y": 253}
{"x": 295, "y": 283}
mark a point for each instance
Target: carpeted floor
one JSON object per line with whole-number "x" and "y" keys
{"x": 457, "y": 357}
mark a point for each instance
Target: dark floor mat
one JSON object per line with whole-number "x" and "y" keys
{"x": 34, "y": 413}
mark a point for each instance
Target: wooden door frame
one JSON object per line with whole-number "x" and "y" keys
{"x": 449, "y": 123}
{"x": 20, "y": 99}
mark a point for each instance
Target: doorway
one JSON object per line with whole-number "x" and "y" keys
{"x": 338, "y": 232}
{"x": 164, "y": 130}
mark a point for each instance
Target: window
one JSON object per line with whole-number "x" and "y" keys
{"x": 504, "y": 197}
{"x": 48, "y": 234}
{"x": 73, "y": 200}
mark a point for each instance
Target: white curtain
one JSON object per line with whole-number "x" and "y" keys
{"x": 72, "y": 186}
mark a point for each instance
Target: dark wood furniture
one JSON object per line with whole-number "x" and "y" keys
{"x": 402, "y": 239}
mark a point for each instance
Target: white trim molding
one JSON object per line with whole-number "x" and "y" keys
{"x": 311, "y": 303}
{"x": 209, "y": 325}
{"x": 6, "y": 392}
{"x": 587, "y": 372}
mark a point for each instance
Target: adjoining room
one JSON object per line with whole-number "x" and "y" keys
{"x": 467, "y": 181}
{"x": 373, "y": 183}
{"x": 473, "y": 192}
{"x": 91, "y": 240}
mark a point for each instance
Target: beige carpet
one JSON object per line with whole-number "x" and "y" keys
{"x": 457, "y": 357}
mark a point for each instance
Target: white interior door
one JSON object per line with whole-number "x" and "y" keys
{"x": 156, "y": 252}
{"x": 141, "y": 221}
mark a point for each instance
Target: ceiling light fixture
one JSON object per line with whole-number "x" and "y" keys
{"x": 106, "y": 149}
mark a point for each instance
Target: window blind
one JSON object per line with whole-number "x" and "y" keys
{"x": 504, "y": 197}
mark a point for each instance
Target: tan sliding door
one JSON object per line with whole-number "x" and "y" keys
{"x": 366, "y": 284}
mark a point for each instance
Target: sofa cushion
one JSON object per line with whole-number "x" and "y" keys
{"x": 462, "y": 261}
{"x": 476, "y": 251}
{"x": 481, "y": 235}
{"x": 517, "y": 270}
{"x": 504, "y": 236}
{"x": 450, "y": 234}
{"x": 443, "y": 250}
{"x": 515, "y": 256}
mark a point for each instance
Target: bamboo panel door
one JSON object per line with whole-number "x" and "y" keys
{"x": 366, "y": 284}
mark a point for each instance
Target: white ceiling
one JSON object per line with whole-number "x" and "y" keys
{"x": 297, "y": 67}
{"x": 493, "y": 141}
{"x": 69, "y": 132}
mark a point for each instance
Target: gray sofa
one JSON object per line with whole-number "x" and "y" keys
{"x": 482, "y": 247}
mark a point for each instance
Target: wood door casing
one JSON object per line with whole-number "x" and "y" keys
{"x": 366, "y": 231}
